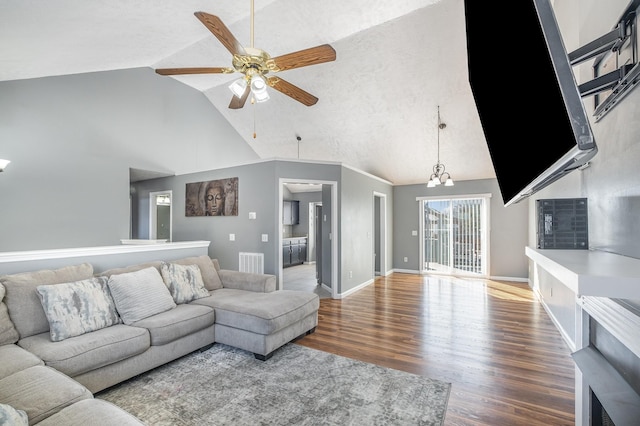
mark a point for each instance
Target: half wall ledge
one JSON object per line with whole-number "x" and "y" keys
{"x": 102, "y": 257}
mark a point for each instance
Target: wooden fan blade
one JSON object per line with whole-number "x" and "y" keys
{"x": 236, "y": 102}
{"x": 222, "y": 33}
{"x": 176, "y": 71}
{"x": 303, "y": 58}
{"x": 293, "y": 91}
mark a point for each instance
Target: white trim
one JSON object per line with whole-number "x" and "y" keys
{"x": 623, "y": 324}
{"x": 514, "y": 279}
{"x": 27, "y": 256}
{"x": 455, "y": 197}
{"x": 485, "y": 231}
{"x": 406, "y": 271}
{"x": 153, "y": 213}
{"x": 333, "y": 234}
{"x": 383, "y": 231}
{"x": 354, "y": 289}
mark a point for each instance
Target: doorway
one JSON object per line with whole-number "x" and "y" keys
{"x": 379, "y": 234}
{"x": 455, "y": 235}
{"x": 318, "y": 272}
{"x": 160, "y": 215}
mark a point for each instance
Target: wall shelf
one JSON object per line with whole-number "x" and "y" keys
{"x": 591, "y": 272}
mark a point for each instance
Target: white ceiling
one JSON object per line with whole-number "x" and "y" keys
{"x": 377, "y": 109}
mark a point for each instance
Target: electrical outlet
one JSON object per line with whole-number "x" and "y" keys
{"x": 406, "y": 259}
{"x": 252, "y": 215}
{"x": 414, "y": 233}
{"x": 232, "y": 237}
{"x": 350, "y": 274}
{"x": 265, "y": 238}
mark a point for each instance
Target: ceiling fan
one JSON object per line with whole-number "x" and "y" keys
{"x": 255, "y": 64}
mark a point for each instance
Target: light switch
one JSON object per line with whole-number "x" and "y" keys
{"x": 252, "y": 215}
{"x": 265, "y": 238}
{"x": 232, "y": 237}
{"x": 414, "y": 233}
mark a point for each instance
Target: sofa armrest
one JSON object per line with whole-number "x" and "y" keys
{"x": 262, "y": 283}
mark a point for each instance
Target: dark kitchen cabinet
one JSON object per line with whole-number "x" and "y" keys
{"x": 291, "y": 212}
{"x": 294, "y": 251}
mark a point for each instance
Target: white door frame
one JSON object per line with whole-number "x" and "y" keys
{"x": 153, "y": 214}
{"x": 332, "y": 235}
{"x": 383, "y": 233}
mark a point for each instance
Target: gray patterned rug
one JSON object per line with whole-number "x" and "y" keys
{"x": 297, "y": 386}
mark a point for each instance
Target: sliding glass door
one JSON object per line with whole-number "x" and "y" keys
{"x": 455, "y": 235}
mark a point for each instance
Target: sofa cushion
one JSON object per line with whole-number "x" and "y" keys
{"x": 207, "y": 269}
{"x": 41, "y": 391}
{"x": 140, "y": 294}
{"x": 8, "y": 332}
{"x": 79, "y": 307}
{"x": 185, "y": 319}
{"x": 13, "y": 358}
{"x": 9, "y": 416}
{"x": 22, "y": 299}
{"x": 91, "y": 412}
{"x": 262, "y": 313}
{"x": 184, "y": 282}
{"x": 89, "y": 351}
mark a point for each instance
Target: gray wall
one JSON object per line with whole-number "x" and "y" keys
{"x": 612, "y": 182}
{"x": 258, "y": 192}
{"x": 508, "y": 233}
{"x": 72, "y": 139}
{"x": 357, "y": 226}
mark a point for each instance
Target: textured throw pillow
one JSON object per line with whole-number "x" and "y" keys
{"x": 184, "y": 282}
{"x": 140, "y": 294}
{"x": 9, "y": 416}
{"x": 8, "y": 333}
{"x": 22, "y": 299}
{"x": 207, "y": 269}
{"x": 78, "y": 307}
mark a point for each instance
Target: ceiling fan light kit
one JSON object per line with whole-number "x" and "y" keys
{"x": 238, "y": 86}
{"x": 439, "y": 173}
{"x": 255, "y": 64}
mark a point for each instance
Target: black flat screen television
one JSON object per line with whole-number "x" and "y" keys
{"x": 530, "y": 108}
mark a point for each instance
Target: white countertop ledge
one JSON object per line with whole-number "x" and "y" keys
{"x": 126, "y": 247}
{"x": 591, "y": 272}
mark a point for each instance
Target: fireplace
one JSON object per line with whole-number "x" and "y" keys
{"x": 608, "y": 367}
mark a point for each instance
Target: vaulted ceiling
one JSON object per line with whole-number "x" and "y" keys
{"x": 396, "y": 62}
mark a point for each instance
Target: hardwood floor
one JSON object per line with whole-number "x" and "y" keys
{"x": 493, "y": 341}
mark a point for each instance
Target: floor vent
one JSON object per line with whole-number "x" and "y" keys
{"x": 251, "y": 262}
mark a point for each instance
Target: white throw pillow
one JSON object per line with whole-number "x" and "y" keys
{"x": 78, "y": 307}
{"x": 9, "y": 416}
{"x": 140, "y": 294}
{"x": 185, "y": 282}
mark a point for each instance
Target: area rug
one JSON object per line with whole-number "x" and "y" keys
{"x": 296, "y": 386}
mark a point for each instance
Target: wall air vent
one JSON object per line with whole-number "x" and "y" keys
{"x": 563, "y": 224}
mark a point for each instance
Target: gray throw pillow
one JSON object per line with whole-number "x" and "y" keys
{"x": 9, "y": 416}
{"x": 78, "y": 307}
{"x": 8, "y": 333}
{"x": 140, "y": 294}
{"x": 207, "y": 269}
{"x": 184, "y": 282}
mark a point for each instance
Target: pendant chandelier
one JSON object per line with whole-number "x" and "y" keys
{"x": 439, "y": 174}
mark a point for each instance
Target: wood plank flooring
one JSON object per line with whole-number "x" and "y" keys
{"x": 493, "y": 341}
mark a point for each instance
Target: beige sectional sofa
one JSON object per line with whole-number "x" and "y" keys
{"x": 68, "y": 333}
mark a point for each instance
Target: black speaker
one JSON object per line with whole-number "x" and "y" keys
{"x": 563, "y": 223}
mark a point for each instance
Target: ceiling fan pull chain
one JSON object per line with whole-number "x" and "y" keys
{"x": 254, "y": 114}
